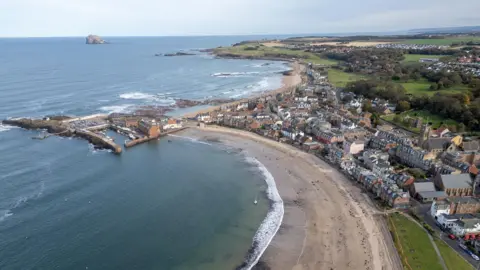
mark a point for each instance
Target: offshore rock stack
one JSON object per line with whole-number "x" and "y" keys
{"x": 94, "y": 39}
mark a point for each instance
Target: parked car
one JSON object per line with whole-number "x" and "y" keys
{"x": 451, "y": 236}
{"x": 475, "y": 257}
{"x": 462, "y": 246}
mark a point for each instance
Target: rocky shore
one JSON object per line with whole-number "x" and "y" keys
{"x": 175, "y": 54}
{"x": 53, "y": 126}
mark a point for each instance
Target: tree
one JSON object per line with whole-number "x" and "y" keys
{"x": 397, "y": 119}
{"x": 466, "y": 99}
{"x": 403, "y": 106}
{"x": 367, "y": 106}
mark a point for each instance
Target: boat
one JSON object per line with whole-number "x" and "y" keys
{"x": 255, "y": 202}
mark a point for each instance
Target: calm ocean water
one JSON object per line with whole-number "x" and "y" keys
{"x": 161, "y": 205}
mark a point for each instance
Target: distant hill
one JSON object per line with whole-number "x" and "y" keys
{"x": 445, "y": 30}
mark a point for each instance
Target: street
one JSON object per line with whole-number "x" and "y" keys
{"x": 423, "y": 210}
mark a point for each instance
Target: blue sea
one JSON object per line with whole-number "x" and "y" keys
{"x": 183, "y": 204}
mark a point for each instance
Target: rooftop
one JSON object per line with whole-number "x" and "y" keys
{"x": 456, "y": 180}
{"x": 432, "y": 194}
{"x": 424, "y": 186}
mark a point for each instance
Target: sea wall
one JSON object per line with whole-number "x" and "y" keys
{"x": 99, "y": 141}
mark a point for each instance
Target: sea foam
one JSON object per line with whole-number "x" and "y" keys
{"x": 270, "y": 225}
{"x": 5, "y": 214}
{"x": 189, "y": 139}
{"x": 125, "y": 108}
{"x": 5, "y": 127}
{"x": 159, "y": 98}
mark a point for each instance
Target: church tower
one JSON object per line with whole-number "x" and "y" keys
{"x": 425, "y": 134}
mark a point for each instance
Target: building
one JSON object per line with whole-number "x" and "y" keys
{"x": 131, "y": 122}
{"x": 458, "y": 205}
{"x": 381, "y": 143}
{"x": 468, "y": 227}
{"x": 440, "y": 207}
{"x": 371, "y": 157}
{"x": 421, "y": 187}
{"x": 431, "y": 196}
{"x": 425, "y": 134}
{"x": 448, "y": 221}
{"x": 435, "y": 145}
{"x": 150, "y": 128}
{"x": 455, "y": 185}
{"x": 414, "y": 157}
{"x": 172, "y": 124}
{"x": 353, "y": 147}
{"x": 330, "y": 136}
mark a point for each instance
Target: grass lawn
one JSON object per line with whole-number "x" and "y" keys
{"x": 422, "y": 87}
{"x": 340, "y": 78}
{"x": 415, "y": 58}
{"x": 435, "y": 120}
{"x": 264, "y": 51}
{"x": 413, "y": 244}
{"x": 443, "y": 41}
{"x": 452, "y": 259}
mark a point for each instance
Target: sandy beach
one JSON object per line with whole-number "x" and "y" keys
{"x": 328, "y": 223}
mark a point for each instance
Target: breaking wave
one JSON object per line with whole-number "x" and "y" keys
{"x": 5, "y": 214}
{"x": 267, "y": 83}
{"x": 234, "y": 74}
{"x": 160, "y": 98}
{"x": 117, "y": 108}
{"x": 270, "y": 225}
{"x": 189, "y": 139}
{"x": 5, "y": 127}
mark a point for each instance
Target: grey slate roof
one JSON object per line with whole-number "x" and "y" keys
{"x": 424, "y": 186}
{"x": 471, "y": 146}
{"x": 456, "y": 180}
{"x": 436, "y": 143}
{"x": 432, "y": 194}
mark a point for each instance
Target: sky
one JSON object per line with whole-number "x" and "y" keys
{"x": 55, "y": 18}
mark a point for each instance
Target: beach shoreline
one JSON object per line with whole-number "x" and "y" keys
{"x": 288, "y": 82}
{"x": 328, "y": 223}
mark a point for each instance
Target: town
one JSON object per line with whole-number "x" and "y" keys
{"x": 432, "y": 176}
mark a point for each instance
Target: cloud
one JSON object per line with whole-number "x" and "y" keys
{"x": 207, "y": 17}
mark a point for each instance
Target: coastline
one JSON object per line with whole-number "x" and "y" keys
{"x": 327, "y": 223}
{"x": 288, "y": 82}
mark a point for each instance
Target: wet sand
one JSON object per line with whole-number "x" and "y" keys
{"x": 328, "y": 223}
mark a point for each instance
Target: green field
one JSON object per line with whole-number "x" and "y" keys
{"x": 443, "y": 41}
{"x": 452, "y": 259}
{"x": 255, "y": 50}
{"x": 415, "y": 58}
{"x": 435, "y": 120}
{"x": 413, "y": 245}
{"x": 422, "y": 87}
{"x": 340, "y": 78}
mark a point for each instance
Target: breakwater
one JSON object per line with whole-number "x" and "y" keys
{"x": 99, "y": 141}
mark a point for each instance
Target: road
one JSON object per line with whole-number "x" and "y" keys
{"x": 423, "y": 210}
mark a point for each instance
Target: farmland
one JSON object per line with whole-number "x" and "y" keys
{"x": 440, "y": 41}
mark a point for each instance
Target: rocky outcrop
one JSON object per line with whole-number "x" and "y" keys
{"x": 177, "y": 54}
{"x": 52, "y": 126}
{"x": 94, "y": 39}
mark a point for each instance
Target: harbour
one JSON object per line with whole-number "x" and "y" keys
{"x": 137, "y": 129}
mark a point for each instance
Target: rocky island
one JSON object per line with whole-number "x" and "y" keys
{"x": 94, "y": 39}
{"x": 176, "y": 54}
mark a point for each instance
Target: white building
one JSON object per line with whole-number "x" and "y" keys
{"x": 466, "y": 226}
{"x": 439, "y": 208}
